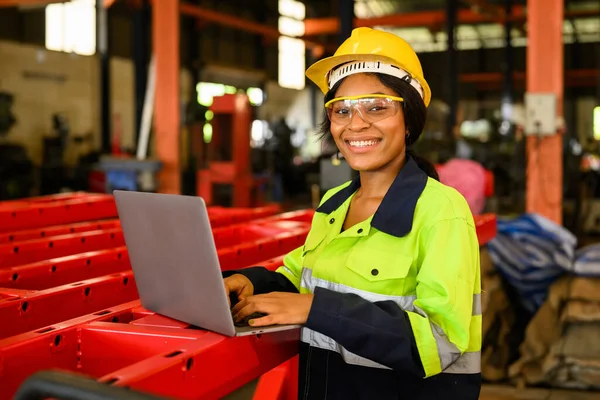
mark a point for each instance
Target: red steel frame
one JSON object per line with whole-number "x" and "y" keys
{"x": 235, "y": 172}
{"x": 35, "y": 309}
{"x": 57, "y": 230}
{"x": 129, "y": 346}
{"x": 219, "y": 216}
{"x": 50, "y": 198}
{"x": 38, "y": 309}
{"x": 239, "y": 245}
{"x": 29, "y": 251}
{"x": 52, "y": 272}
{"x": 19, "y": 217}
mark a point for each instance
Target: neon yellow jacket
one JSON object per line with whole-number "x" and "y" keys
{"x": 396, "y": 297}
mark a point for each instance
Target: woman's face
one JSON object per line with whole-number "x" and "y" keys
{"x": 369, "y": 147}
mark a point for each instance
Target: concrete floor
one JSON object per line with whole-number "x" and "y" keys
{"x": 489, "y": 392}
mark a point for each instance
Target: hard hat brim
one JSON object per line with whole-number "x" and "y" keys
{"x": 318, "y": 71}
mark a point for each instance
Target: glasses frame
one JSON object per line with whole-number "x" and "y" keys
{"x": 362, "y": 96}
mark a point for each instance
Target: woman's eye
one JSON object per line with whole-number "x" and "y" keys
{"x": 342, "y": 111}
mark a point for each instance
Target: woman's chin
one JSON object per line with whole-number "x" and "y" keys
{"x": 363, "y": 164}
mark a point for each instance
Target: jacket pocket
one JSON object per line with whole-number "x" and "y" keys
{"x": 379, "y": 267}
{"x": 381, "y": 272}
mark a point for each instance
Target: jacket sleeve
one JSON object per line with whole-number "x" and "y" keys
{"x": 430, "y": 336}
{"x": 285, "y": 279}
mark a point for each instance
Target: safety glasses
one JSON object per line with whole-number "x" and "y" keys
{"x": 371, "y": 108}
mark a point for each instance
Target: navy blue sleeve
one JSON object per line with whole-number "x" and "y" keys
{"x": 265, "y": 281}
{"x": 378, "y": 331}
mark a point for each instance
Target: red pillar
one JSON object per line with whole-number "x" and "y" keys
{"x": 165, "y": 38}
{"x": 545, "y": 74}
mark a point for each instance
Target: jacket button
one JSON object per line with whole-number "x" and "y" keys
{"x": 374, "y": 272}
{"x": 332, "y": 220}
{"x": 360, "y": 230}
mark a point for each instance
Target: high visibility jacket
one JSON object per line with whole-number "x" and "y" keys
{"x": 396, "y": 311}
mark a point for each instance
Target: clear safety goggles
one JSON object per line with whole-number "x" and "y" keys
{"x": 371, "y": 108}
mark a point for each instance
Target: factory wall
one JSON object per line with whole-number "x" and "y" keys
{"x": 46, "y": 82}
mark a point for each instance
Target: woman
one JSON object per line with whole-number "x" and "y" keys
{"x": 387, "y": 284}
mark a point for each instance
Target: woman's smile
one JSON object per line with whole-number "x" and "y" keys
{"x": 360, "y": 145}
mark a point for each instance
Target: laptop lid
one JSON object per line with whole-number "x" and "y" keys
{"x": 174, "y": 258}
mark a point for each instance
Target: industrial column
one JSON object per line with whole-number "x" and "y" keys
{"x": 346, "y": 11}
{"x": 509, "y": 64}
{"x": 102, "y": 30}
{"x": 545, "y": 75}
{"x": 140, "y": 38}
{"x": 165, "y": 39}
{"x": 452, "y": 67}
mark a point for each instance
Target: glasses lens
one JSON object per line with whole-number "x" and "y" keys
{"x": 370, "y": 109}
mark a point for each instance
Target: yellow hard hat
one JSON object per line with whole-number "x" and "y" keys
{"x": 371, "y": 50}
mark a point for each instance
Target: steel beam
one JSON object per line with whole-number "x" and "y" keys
{"x": 432, "y": 19}
{"x": 330, "y": 25}
{"x": 451, "y": 67}
{"x": 245, "y": 25}
{"x": 165, "y": 40}
{"x": 545, "y": 74}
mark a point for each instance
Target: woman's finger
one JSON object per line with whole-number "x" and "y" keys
{"x": 263, "y": 321}
{"x": 248, "y": 309}
{"x": 239, "y": 305}
{"x": 245, "y": 292}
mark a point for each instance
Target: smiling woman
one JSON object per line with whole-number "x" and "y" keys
{"x": 387, "y": 284}
{"x": 382, "y": 98}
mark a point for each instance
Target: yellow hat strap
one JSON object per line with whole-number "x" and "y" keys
{"x": 356, "y": 67}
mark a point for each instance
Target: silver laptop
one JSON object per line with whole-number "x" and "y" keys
{"x": 174, "y": 260}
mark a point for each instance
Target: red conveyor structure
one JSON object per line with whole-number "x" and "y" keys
{"x": 68, "y": 302}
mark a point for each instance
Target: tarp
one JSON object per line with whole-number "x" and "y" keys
{"x": 531, "y": 252}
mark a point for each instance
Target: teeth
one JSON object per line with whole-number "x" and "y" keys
{"x": 363, "y": 143}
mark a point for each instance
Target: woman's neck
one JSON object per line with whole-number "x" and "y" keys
{"x": 375, "y": 184}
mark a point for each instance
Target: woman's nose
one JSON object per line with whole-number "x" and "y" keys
{"x": 356, "y": 121}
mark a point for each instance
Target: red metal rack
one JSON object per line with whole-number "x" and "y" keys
{"x": 110, "y": 337}
{"x": 37, "y": 309}
{"x": 26, "y": 216}
{"x": 265, "y": 234}
{"x": 57, "y": 230}
{"x": 30, "y": 251}
{"x": 127, "y": 346}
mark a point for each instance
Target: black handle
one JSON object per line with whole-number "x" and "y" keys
{"x": 67, "y": 386}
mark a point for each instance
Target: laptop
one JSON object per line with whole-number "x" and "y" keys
{"x": 175, "y": 263}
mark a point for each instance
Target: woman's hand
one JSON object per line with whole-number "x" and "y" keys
{"x": 281, "y": 308}
{"x": 240, "y": 285}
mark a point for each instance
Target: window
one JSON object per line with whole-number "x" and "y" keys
{"x": 292, "y": 52}
{"x": 71, "y": 27}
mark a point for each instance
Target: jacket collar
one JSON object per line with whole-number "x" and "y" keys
{"x": 396, "y": 211}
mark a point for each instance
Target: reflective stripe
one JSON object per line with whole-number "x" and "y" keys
{"x": 321, "y": 341}
{"x": 309, "y": 282}
{"x": 468, "y": 363}
{"x": 477, "y": 304}
{"x": 289, "y": 271}
{"x": 447, "y": 351}
{"x": 450, "y": 357}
